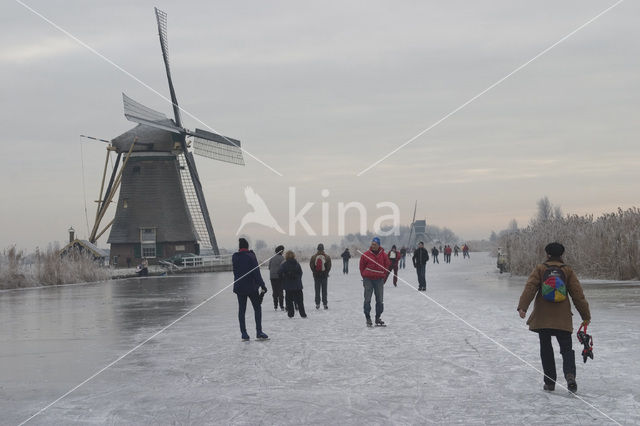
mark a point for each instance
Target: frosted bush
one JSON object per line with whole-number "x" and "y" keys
{"x": 605, "y": 247}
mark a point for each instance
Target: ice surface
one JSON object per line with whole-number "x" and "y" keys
{"x": 425, "y": 367}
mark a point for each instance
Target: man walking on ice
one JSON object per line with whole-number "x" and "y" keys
{"x": 549, "y": 284}
{"x": 374, "y": 268}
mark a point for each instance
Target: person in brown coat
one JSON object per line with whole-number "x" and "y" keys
{"x": 554, "y": 318}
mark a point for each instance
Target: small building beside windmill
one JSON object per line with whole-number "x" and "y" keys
{"x": 83, "y": 247}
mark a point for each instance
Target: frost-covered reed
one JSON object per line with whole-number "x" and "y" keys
{"x": 48, "y": 268}
{"x": 604, "y": 247}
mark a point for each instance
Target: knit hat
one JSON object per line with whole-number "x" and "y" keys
{"x": 280, "y": 249}
{"x": 243, "y": 243}
{"x": 376, "y": 240}
{"x": 320, "y": 247}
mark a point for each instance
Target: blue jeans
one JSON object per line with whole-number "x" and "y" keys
{"x": 321, "y": 286}
{"x": 373, "y": 287}
{"x": 257, "y": 310}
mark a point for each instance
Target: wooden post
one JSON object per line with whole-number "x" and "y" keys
{"x": 116, "y": 184}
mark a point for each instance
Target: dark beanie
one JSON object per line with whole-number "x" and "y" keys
{"x": 554, "y": 249}
{"x": 320, "y": 247}
{"x": 279, "y": 249}
{"x": 243, "y": 243}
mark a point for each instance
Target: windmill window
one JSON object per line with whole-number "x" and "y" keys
{"x": 125, "y": 203}
{"x": 148, "y": 235}
{"x": 148, "y": 250}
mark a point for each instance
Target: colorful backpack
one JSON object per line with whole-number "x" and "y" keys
{"x": 554, "y": 287}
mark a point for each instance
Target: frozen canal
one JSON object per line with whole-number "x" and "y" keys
{"x": 426, "y": 367}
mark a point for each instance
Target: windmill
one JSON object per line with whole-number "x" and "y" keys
{"x": 161, "y": 208}
{"x": 419, "y": 228}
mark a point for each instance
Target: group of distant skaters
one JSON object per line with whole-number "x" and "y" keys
{"x": 285, "y": 274}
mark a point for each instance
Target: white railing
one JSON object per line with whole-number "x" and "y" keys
{"x": 199, "y": 261}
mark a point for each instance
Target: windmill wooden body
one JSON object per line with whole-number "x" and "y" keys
{"x": 161, "y": 209}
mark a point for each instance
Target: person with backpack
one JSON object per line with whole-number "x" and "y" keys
{"x": 420, "y": 259}
{"x": 246, "y": 281}
{"x": 346, "y": 255}
{"x": 394, "y": 258}
{"x": 320, "y": 264}
{"x": 374, "y": 269}
{"x": 276, "y": 281}
{"x": 549, "y": 284}
{"x": 290, "y": 273}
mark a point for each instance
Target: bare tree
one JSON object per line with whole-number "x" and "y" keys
{"x": 557, "y": 212}
{"x": 545, "y": 210}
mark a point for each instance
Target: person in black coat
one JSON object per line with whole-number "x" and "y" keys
{"x": 420, "y": 259}
{"x": 346, "y": 255}
{"x": 247, "y": 280}
{"x": 291, "y": 275}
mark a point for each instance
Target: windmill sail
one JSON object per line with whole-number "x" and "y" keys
{"x": 217, "y": 147}
{"x": 138, "y": 113}
{"x": 161, "y": 17}
{"x": 191, "y": 197}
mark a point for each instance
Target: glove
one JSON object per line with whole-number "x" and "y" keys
{"x": 263, "y": 291}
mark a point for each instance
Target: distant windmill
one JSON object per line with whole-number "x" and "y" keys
{"x": 161, "y": 208}
{"x": 418, "y": 228}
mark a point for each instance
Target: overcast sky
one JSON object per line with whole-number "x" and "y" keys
{"x": 320, "y": 91}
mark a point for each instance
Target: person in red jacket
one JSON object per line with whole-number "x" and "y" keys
{"x": 374, "y": 268}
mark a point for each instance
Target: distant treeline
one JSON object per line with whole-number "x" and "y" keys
{"x": 605, "y": 247}
{"x": 47, "y": 268}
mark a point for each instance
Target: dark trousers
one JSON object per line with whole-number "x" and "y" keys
{"x": 345, "y": 266}
{"x": 422, "y": 280}
{"x": 257, "y": 310}
{"x": 435, "y": 259}
{"x": 546, "y": 354}
{"x": 278, "y": 296}
{"x": 321, "y": 285}
{"x": 373, "y": 287}
{"x": 295, "y": 297}
{"x": 394, "y": 269}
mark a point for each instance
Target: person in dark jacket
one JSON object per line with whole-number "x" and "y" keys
{"x": 276, "y": 282}
{"x": 291, "y": 275}
{"x": 551, "y": 318}
{"x": 434, "y": 253}
{"x": 394, "y": 259}
{"x": 320, "y": 264}
{"x": 247, "y": 280}
{"x": 420, "y": 259}
{"x": 346, "y": 255}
